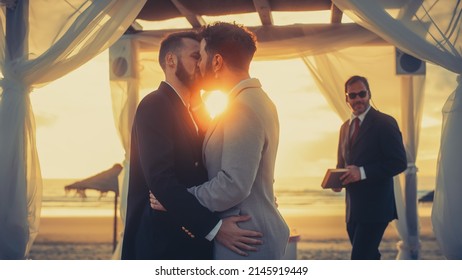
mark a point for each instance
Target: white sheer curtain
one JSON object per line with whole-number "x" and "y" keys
{"x": 446, "y": 220}
{"x": 429, "y": 30}
{"x": 412, "y": 89}
{"x": 44, "y": 40}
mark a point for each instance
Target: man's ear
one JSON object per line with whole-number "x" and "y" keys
{"x": 217, "y": 62}
{"x": 170, "y": 59}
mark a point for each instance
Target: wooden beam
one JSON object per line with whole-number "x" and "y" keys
{"x": 194, "y": 19}
{"x": 156, "y": 10}
{"x": 336, "y": 14}
{"x": 275, "y": 33}
{"x": 135, "y": 27}
{"x": 264, "y": 11}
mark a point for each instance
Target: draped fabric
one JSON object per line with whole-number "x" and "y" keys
{"x": 412, "y": 88}
{"x": 44, "y": 40}
{"x": 447, "y": 224}
{"x": 429, "y": 30}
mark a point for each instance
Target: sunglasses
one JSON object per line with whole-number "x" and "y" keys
{"x": 352, "y": 95}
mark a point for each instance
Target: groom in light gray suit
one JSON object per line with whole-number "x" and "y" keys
{"x": 240, "y": 145}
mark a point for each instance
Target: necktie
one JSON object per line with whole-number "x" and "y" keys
{"x": 355, "y": 132}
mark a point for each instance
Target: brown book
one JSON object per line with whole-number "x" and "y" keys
{"x": 332, "y": 178}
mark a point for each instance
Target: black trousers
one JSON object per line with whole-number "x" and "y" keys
{"x": 365, "y": 239}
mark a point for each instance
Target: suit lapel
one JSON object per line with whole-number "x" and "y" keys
{"x": 345, "y": 138}
{"x": 209, "y": 133}
{"x": 185, "y": 119}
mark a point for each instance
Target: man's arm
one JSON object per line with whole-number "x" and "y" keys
{"x": 393, "y": 155}
{"x": 228, "y": 234}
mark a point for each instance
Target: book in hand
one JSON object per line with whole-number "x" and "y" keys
{"x": 332, "y": 178}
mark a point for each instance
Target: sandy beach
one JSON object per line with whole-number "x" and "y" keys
{"x": 321, "y": 238}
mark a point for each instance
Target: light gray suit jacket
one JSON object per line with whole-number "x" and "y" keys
{"x": 239, "y": 152}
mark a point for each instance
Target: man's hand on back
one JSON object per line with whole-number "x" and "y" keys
{"x": 236, "y": 239}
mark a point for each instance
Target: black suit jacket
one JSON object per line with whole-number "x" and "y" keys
{"x": 379, "y": 149}
{"x": 166, "y": 158}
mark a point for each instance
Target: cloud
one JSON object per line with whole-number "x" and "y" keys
{"x": 323, "y": 148}
{"x": 45, "y": 119}
{"x": 310, "y": 157}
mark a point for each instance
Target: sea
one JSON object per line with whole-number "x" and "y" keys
{"x": 295, "y": 196}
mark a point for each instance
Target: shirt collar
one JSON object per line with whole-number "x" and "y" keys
{"x": 246, "y": 83}
{"x": 360, "y": 117}
{"x": 179, "y": 95}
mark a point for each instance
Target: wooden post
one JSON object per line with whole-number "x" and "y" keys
{"x": 114, "y": 234}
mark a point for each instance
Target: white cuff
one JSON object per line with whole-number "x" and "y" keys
{"x": 214, "y": 231}
{"x": 363, "y": 173}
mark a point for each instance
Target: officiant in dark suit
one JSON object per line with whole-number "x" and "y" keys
{"x": 371, "y": 148}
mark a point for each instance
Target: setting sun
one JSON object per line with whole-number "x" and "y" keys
{"x": 215, "y": 101}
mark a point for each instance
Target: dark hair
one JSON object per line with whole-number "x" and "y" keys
{"x": 354, "y": 79}
{"x": 235, "y": 43}
{"x": 174, "y": 41}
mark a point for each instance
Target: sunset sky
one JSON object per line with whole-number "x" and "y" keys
{"x": 76, "y": 136}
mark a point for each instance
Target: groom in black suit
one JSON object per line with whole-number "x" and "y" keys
{"x": 371, "y": 148}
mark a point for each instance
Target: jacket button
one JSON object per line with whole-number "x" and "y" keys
{"x": 196, "y": 164}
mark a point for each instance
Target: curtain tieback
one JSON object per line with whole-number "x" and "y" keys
{"x": 411, "y": 168}
{"x": 13, "y": 87}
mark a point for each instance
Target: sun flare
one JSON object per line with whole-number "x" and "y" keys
{"x": 215, "y": 102}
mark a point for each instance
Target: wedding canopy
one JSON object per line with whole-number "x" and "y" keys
{"x": 332, "y": 51}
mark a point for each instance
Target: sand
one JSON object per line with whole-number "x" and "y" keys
{"x": 321, "y": 238}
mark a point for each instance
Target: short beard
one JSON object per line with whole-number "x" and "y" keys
{"x": 185, "y": 78}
